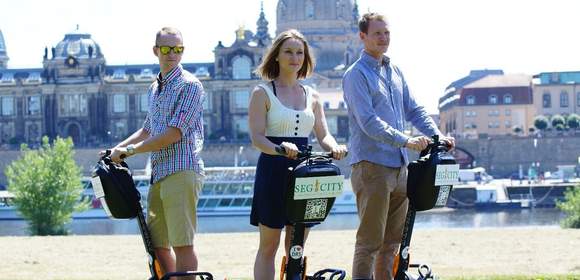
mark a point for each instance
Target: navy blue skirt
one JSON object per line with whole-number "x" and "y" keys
{"x": 269, "y": 205}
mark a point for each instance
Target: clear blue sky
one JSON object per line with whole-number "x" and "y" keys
{"x": 434, "y": 42}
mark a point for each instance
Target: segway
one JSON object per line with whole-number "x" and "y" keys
{"x": 429, "y": 183}
{"x": 313, "y": 186}
{"x": 113, "y": 185}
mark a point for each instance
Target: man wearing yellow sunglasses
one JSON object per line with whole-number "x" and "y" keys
{"x": 173, "y": 133}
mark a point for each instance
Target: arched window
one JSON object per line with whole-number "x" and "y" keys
{"x": 309, "y": 9}
{"x": 241, "y": 68}
{"x": 546, "y": 100}
{"x": 493, "y": 99}
{"x": 507, "y": 99}
{"x": 564, "y": 99}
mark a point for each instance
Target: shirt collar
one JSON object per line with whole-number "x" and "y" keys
{"x": 373, "y": 62}
{"x": 171, "y": 75}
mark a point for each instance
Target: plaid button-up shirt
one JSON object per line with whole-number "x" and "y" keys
{"x": 176, "y": 100}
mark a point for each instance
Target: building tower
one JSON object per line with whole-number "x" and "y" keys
{"x": 328, "y": 25}
{"x": 3, "y": 55}
{"x": 262, "y": 36}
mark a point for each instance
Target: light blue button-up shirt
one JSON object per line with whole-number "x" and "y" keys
{"x": 379, "y": 102}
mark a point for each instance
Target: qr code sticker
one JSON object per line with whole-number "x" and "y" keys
{"x": 315, "y": 209}
{"x": 443, "y": 195}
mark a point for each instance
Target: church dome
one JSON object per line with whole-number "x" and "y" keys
{"x": 330, "y": 26}
{"x": 77, "y": 44}
{"x": 310, "y": 14}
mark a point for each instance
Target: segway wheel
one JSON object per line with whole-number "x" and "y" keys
{"x": 283, "y": 268}
{"x": 304, "y": 265}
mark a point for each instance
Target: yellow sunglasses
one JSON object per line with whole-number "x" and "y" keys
{"x": 166, "y": 49}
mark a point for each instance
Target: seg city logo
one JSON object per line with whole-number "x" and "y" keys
{"x": 318, "y": 187}
{"x": 447, "y": 174}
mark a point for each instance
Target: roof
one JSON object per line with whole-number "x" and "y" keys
{"x": 136, "y": 69}
{"x": 508, "y": 80}
{"x": 474, "y": 75}
{"x": 566, "y": 77}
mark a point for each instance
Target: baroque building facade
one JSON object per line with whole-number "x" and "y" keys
{"x": 76, "y": 94}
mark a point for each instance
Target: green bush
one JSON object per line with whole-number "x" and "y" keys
{"x": 571, "y": 206}
{"x": 46, "y": 184}
{"x": 573, "y": 121}
{"x": 541, "y": 122}
{"x": 558, "y": 120}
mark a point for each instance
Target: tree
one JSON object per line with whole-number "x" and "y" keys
{"x": 46, "y": 184}
{"x": 573, "y": 121}
{"x": 558, "y": 119}
{"x": 541, "y": 122}
{"x": 571, "y": 206}
{"x": 517, "y": 130}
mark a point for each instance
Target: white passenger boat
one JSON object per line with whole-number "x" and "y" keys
{"x": 227, "y": 191}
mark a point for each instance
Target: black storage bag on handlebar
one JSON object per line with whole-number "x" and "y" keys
{"x": 310, "y": 210}
{"x": 116, "y": 191}
{"x": 421, "y": 189}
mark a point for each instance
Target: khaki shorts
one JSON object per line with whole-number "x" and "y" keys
{"x": 172, "y": 209}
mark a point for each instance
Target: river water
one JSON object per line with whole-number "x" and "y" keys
{"x": 433, "y": 219}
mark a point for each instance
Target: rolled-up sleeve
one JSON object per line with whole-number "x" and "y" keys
{"x": 359, "y": 100}
{"x": 190, "y": 107}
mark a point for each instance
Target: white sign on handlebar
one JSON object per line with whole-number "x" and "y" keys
{"x": 447, "y": 174}
{"x": 318, "y": 187}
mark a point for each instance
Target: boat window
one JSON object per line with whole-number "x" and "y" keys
{"x": 238, "y": 202}
{"x": 212, "y": 202}
{"x": 201, "y": 202}
{"x": 248, "y": 202}
{"x": 225, "y": 202}
{"x": 233, "y": 189}
{"x": 220, "y": 188}
{"x": 207, "y": 189}
{"x": 247, "y": 188}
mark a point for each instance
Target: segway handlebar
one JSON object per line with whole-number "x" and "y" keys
{"x": 435, "y": 143}
{"x": 308, "y": 153}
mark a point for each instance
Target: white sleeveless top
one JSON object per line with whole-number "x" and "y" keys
{"x": 282, "y": 121}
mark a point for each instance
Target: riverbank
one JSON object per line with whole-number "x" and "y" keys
{"x": 451, "y": 253}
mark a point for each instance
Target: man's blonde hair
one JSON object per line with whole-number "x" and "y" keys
{"x": 167, "y": 31}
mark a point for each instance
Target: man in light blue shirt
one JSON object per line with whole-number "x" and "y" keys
{"x": 379, "y": 103}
